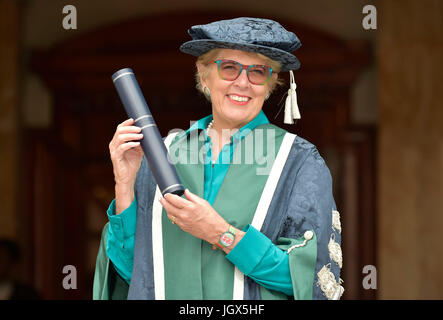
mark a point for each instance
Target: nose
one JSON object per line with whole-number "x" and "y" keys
{"x": 242, "y": 79}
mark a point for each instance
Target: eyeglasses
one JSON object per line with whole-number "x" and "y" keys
{"x": 231, "y": 70}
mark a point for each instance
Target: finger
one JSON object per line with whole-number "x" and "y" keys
{"x": 193, "y": 197}
{"x": 126, "y": 122}
{"x": 177, "y": 201}
{"x": 124, "y": 130}
{"x": 126, "y": 146}
{"x": 125, "y": 137}
{"x": 173, "y": 219}
{"x": 170, "y": 209}
{"x": 128, "y": 129}
{"x": 117, "y": 153}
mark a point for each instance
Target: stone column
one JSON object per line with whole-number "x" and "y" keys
{"x": 410, "y": 154}
{"x": 9, "y": 106}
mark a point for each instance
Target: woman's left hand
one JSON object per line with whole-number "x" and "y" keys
{"x": 195, "y": 215}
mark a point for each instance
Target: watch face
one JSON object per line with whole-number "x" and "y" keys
{"x": 226, "y": 239}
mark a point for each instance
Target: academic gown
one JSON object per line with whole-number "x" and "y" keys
{"x": 285, "y": 191}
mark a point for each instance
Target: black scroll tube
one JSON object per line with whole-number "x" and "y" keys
{"x": 152, "y": 143}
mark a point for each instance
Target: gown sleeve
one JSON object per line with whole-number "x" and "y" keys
{"x": 258, "y": 258}
{"x": 108, "y": 284}
{"x": 311, "y": 233}
{"x": 100, "y": 287}
{"x": 121, "y": 239}
{"x": 114, "y": 262}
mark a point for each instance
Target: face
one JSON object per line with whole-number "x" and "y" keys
{"x": 235, "y": 103}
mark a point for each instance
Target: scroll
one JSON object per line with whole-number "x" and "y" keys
{"x": 152, "y": 143}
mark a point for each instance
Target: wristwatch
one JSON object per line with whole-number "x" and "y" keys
{"x": 226, "y": 239}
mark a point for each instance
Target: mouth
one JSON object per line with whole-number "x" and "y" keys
{"x": 238, "y": 99}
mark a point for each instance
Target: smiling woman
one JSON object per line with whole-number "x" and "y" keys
{"x": 272, "y": 229}
{"x": 235, "y": 99}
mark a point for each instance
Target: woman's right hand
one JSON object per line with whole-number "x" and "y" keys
{"x": 126, "y": 156}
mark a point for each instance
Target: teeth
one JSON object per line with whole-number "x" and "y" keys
{"x": 237, "y": 98}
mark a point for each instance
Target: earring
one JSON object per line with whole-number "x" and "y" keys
{"x": 207, "y": 92}
{"x": 267, "y": 96}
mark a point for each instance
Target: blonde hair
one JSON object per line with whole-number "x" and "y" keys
{"x": 206, "y": 59}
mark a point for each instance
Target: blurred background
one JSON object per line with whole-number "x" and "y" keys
{"x": 371, "y": 101}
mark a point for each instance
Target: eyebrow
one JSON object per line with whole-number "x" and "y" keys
{"x": 252, "y": 64}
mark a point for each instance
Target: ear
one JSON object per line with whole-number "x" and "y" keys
{"x": 200, "y": 71}
{"x": 273, "y": 81}
{"x": 199, "y": 66}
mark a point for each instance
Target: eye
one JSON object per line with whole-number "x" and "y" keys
{"x": 259, "y": 71}
{"x": 229, "y": 65}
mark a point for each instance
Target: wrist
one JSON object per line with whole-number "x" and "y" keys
{"x": 218, "y": 231}
{"x": 227, "y": 239}
{"x": 124, "y": 195}
{"x": 124, "y": 188}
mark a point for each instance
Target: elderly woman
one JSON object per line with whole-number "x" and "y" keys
{"x": 257, "y": 219}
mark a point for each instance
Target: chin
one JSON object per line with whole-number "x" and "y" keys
{"x": 240, "y": 118}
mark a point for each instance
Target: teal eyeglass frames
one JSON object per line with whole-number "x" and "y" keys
{"x": 231, "y": 70}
